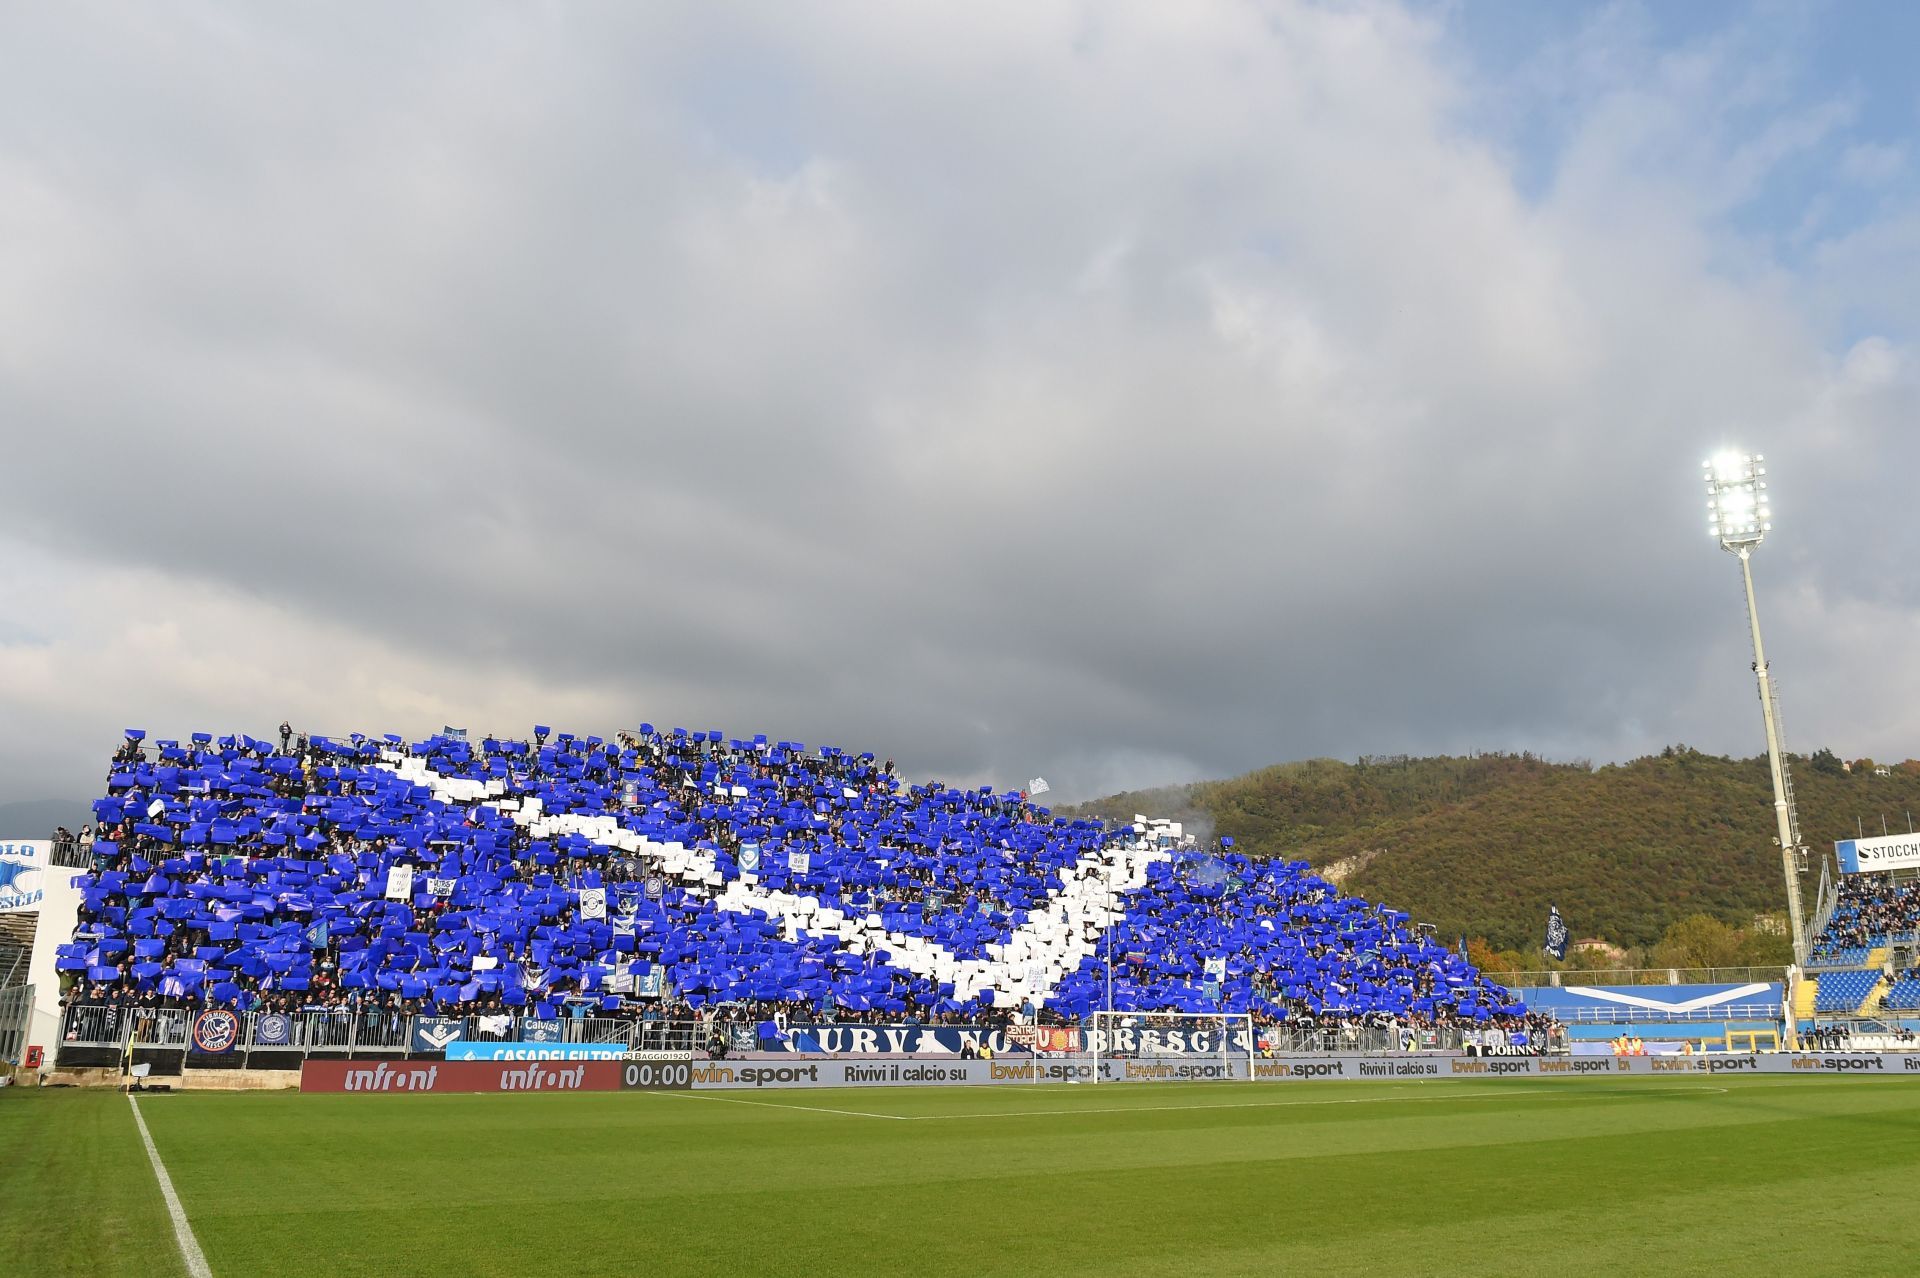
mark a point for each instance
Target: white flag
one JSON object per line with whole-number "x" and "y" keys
{"x": 1038, "y": 786}
{"x": 440, "y": 887}
{"x": 799, "y": 862}
{"x": 593, "y": 903}
{"x": 1216, "y": 968}
{"x": 400, "y": 883}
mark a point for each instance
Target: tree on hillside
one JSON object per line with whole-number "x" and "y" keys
{"x": 1700, "y": 940}
{"x": 1483, "y": 845}
{"x": 1482, "y": 955}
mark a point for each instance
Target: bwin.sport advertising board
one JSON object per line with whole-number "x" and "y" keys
{"x": 675, "y": 1072}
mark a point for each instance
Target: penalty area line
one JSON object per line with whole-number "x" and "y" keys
{"x": 767, "y": 1104}
{"x": 1396, "y": 1097}
{"x": 196, "y": 1260}
{"x": 1399, "y": 1098}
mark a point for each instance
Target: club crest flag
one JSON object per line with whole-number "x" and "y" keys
{"x": 400, "y": 883}
{"x": 215, "y": 1031}
{"x": 1556, "y": 933}
{"x": 593, "y": 903}
{"x": 749, "y": 858}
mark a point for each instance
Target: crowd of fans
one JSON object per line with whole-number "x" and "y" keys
{"x": 271, "y": 876}
{"x": 1869, "y": 910}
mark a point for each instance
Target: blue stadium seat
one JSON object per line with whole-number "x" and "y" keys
{"x": 1904, "y": 996}
{"x": 1843, "y": 991}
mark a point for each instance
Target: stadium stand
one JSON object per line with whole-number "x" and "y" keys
{"x": 538, "y": 877}
{"x": 1843, "y": 992}
{"x": 1904, "y": 996}
{"x": 1840, "y": 957}
{"x": 1869, "y": 909}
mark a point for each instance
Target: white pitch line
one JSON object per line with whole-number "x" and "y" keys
{"x": 1400, "y": 1098}
{"x": 811, "y": 1109}
{"x": 196, "y": 1260}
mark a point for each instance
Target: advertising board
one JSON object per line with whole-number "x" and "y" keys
{"x": 1890, "y": 852}
{"x": 669, "y": 1072}
{"x": 459, "y": 1076}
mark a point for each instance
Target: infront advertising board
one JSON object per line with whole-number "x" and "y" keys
{"x": 459, "y": 1076}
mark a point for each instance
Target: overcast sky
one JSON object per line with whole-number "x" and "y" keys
{"x": 1124, "y": 393}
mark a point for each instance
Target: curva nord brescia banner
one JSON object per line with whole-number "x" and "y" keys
{"x": 948, "y": 1040}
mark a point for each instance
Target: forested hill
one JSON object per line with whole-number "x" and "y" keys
{"x": 1481, "y": 846}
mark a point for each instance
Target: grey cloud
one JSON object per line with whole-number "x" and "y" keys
{"x": 1156, "y": 396}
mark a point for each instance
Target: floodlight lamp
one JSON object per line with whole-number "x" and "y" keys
{"x": 1738, "y": 509}
{"x": 1729, "y": 467}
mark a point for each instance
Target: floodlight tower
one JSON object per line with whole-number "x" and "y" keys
{"x": 1739, "y": 515}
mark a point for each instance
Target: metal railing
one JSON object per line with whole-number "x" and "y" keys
{"x": 279, "y": 1035}
{"x": 16, "y": 1007}
{"x": 1370, "y": 1040}
{"x": 1642, "y": 976}
{"x": 70, "y": 854}
{"x": 91, "y": 1025}
{"x": 1623, "y": 1015}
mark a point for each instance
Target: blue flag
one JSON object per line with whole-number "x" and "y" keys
{"x": 1556, "y": 943}
{"x": 317, "y": 935}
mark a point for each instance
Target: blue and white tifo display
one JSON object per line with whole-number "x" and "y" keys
{"x": 1892, "y": 852}
{"x": 454, "y": 877}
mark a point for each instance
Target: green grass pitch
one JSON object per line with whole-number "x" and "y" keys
{"x": 1615, "y": 1176}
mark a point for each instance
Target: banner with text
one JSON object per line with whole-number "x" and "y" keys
{"x": 942, "y": 1040}
{"x": 460, "y": 1076}
{"x": 1864, "y": 856}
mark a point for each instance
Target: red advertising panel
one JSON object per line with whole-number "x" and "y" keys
{"x": 460, "y": 1076}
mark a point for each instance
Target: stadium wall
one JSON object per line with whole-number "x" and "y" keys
{"x": 50, "y": 893}
{"x": 1646, "y": 1004}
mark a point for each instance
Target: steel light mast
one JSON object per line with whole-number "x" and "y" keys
{"x": 1739, "y": 516}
